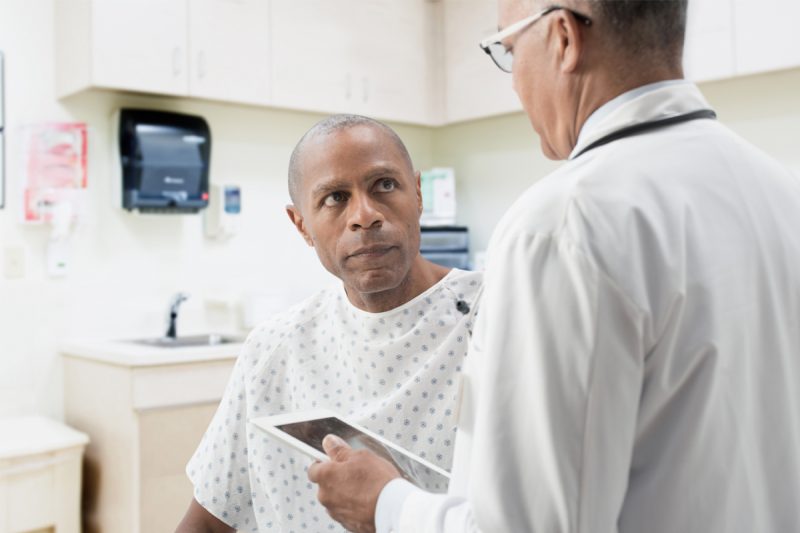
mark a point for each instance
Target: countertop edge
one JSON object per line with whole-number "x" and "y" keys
{"x": 120, "y": 353}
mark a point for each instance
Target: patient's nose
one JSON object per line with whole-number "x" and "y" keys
{"x": 364, "y": 213}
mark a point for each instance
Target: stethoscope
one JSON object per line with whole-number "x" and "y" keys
{"x": 643, "y": 127}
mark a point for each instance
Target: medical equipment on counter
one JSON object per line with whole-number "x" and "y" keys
{"x": 445, "y": 245}
{"x": 438, "y": 197}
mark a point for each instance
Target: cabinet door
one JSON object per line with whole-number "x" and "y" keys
{"x": 167, "y": 439}
{"x": 708, "y": 51}
{"x": 394, "y": 57}
{"x": 313, "y": 43}
{"x": 140, "y": 45}
{"x": 474, "y": 86}
{"x": 229, "y": 52}
{"x": 767, "y": 35}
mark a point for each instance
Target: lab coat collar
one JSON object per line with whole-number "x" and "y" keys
{"x": 644, "y": 104}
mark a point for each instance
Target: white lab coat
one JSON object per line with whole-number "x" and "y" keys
{"x": 636, "y": 360}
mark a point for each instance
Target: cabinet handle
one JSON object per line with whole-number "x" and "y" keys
{"x": 365, "y": 83}
{"x": 176, "y": 60}
{"x": 201, "y": 64}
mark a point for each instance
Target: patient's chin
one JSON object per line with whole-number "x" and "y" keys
{"x": 376, "y": 281}
{"x": 372, "y": 283}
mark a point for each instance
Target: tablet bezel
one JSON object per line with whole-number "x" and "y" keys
{"x": 270, "y": 423}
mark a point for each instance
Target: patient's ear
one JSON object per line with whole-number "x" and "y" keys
{"x": 418, "y": 184}
{"x": 299, "y": 223}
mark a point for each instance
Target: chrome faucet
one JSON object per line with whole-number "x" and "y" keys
{"x": 175, "y": 303}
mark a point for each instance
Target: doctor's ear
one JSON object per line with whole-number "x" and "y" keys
{"x": 299, "y": 223}
{"x": 570, "y": 41}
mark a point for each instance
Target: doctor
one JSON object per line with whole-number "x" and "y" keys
{"x": 636, "y": 362}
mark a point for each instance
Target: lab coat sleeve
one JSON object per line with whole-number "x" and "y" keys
{"x": 401, "y": 505}
{"x": 556, "y": 381}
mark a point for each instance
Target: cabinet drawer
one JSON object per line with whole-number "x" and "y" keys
{"x": 169, "y": 385}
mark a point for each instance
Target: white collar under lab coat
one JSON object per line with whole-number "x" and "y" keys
{"x": 650, "y": 102}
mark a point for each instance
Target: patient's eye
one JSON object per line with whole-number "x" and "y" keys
{"x": 334, "y": 199}
{"x": 386, "y": 185}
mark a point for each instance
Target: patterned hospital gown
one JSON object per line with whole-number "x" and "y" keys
{"x": 396, "y": 373}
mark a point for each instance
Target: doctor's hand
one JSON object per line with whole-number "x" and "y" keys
{"x": 350, "y": 483}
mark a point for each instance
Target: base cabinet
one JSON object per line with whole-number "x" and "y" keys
{"x": 144, "y": 424}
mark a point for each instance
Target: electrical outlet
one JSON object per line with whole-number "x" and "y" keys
{"x": 14, "y": 261}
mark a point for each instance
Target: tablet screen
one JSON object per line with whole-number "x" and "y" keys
{"x": 312, "y": 432}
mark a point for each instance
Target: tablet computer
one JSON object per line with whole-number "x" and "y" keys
{"x": 305, "y": 430}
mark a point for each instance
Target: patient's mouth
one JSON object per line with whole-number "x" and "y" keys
{"x": 372, "y": 252}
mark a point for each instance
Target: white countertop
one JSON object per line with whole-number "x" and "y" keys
{"x": 32, "y": 435}
{"x": 130, "y": 354}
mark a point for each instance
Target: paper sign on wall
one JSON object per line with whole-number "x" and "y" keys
{"x": 55, "y": 169}
{"x": 2, "y": 134}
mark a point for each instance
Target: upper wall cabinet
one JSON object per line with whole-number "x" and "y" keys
{"x": 138, "y": 45}
{"x": 708, "y": 51}
{"x": 313, "y": 43}
{"x": 372, "y": 57}
{"x": 474, "y": 86}
{"x": 229, "y": 48}
{"x": 766, "y": 35}
{"x": 726, "y": 38}
{"x": 415, "y": 61}
{"x": 207, "y": 48}
{"x": 396, "y": 60}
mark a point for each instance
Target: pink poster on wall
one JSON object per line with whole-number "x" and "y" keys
{"x": 55, "y": 168}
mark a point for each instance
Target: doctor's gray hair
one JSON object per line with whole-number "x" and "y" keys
{"x": 332, "y": 124}
{"x": 645, "y": 28}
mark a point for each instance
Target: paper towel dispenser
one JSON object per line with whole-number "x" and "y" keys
{"x": 164, "y": 159}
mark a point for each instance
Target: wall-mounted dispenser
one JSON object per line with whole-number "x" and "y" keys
{"x": 224, "y": 209}
{"x": 164, "y": 160}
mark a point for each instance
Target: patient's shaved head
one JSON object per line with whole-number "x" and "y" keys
{"x": 327, "y": 126}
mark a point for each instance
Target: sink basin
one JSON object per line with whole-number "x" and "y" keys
{"x": 189, "y": 341}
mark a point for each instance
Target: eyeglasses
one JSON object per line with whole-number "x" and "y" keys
{"x": 502, "y": 56}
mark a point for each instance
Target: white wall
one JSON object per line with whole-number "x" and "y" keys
{"x": 497, "y": 158}
{"x": 124, "y": 267}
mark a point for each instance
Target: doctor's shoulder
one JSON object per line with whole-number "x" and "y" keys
{"x": 541, "y": 208}
{"x": 584, "y": 203}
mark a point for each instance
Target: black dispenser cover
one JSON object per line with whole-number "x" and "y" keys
{"x": 165, "y": 159}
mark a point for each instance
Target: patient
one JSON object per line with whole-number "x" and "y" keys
{"x": 384, "y": 348}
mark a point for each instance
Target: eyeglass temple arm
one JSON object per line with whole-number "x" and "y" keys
{"x": 510, "y": 30}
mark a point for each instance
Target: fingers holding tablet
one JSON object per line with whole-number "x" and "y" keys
{"x": 350, "y": 483}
